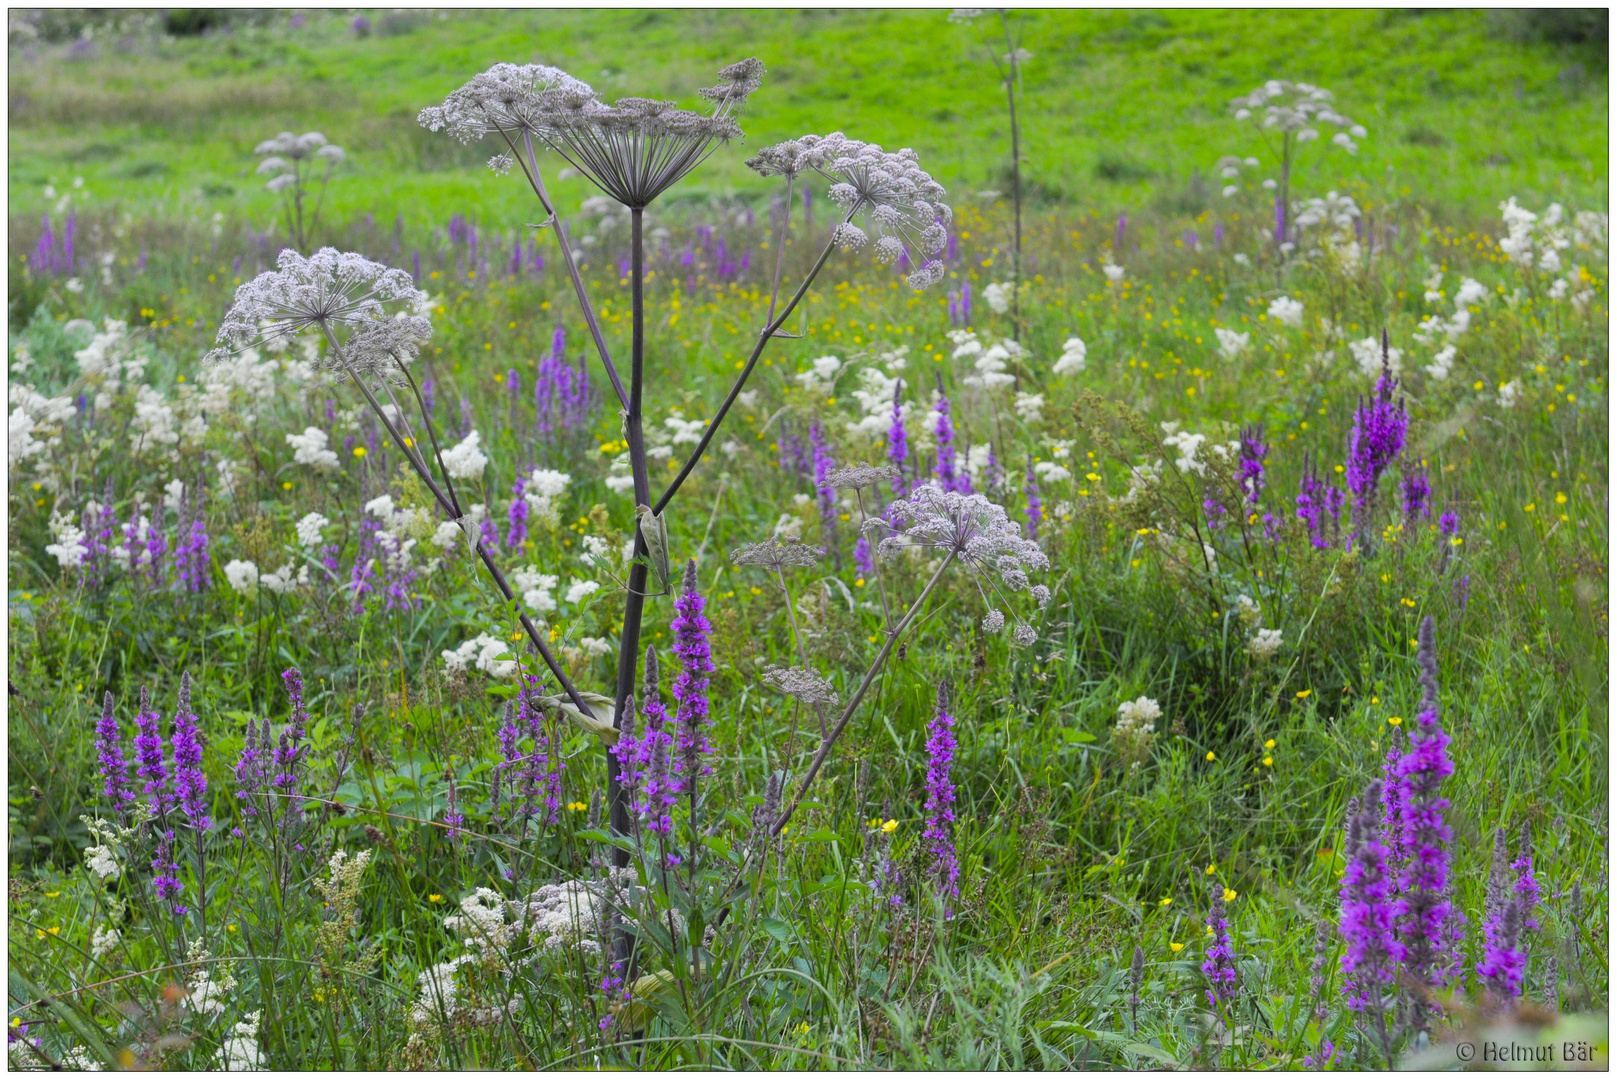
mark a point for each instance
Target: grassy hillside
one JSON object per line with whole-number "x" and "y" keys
{"x": 1122, "y": 107}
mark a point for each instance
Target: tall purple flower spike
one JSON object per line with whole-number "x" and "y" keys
{"x": 940, "y": 794}
{"x": 190, "y": 783}
{"x": 691, "y": 629}
{"x": 1425, "y": 926}
{"x": 1379, "y": 432}
{"x": 1373, "y": 952}
{"x": 114, "y": 766}
{"x": 1219, "y": 965}
{"x": 149, "y": 756}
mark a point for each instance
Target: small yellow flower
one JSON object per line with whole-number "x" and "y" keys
{"x": 1229, "y": 894}
{"x": 1175, "y": 946}
{"x": 435, "y": 898}
{"x": 230, "y": 927}
{"x": 286, "y": 485}
{"x": 1395, "y": 720}
{"x": 1269, "y": 761}
{"x": 1375, "y": 701}
{"x": 858, "y": 581}
{"x": 1211, "y": 756}
{"x": 359, "y": 451}
{"x": 1301, "y": 694}
{"x": 1212, "y": 868}
{"x": 53, "y": 895}
{"x": 888, "y": 826}
{"x": 1270, "y": 745}
{"x": 1165, "y": 901}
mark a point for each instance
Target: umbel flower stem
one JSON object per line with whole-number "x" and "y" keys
{"x": 848, "y": 710}
{"x": 530, "y": 167}
{"x": 451, "y": 506}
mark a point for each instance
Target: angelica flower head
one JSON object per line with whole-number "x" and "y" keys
{"x": 512, "y": 99}
{"x": 633, "y": 150}
{"x": 972, "y": 529}
{"x": 806, "y": 686}
{"x": 777, "y": 554}
{"x": 900, "y": 202}
{"x": 343, "y": 294}
{"x": 1295, "y": 108}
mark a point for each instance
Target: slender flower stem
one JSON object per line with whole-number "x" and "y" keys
{"x": 859, "y": 695}
{"x": 488, "y": 562}
{"x": 875, "y": 565}
{"x": 530, "y": 167}
{"x": 780, "y": 249}
{"x": 1011, "y": 80}
{"x": 764, "y": 337}
{"x": 791, "y": 617}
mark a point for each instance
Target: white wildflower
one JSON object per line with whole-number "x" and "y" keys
{"x": 1073, "y": 354}
{"x": 240, "y": 1052}
{"x": 1510, "y": 393}
{"x": 464, "y": 461}
{"x": 1264, "y": 644}
{"x": 308, "y": 528}
{"x": 309, "y": 448}
{"x": 1286, "y": 311}
{"x": 1030, "y": 407}
{"x": 578, "y": 590}
{"x": 998, "y": 295}
{"x": 242, "y": 575}
{"x": 105, "y": 939}
{"x": 1232, "y": 343}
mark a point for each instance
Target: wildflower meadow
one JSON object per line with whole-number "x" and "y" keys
{"x": 873, "y": 539}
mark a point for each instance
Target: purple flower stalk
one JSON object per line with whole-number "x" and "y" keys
{"x": 289, "y": 750}
{"x": 898, "y": 444}
{"x": 1249, "y": 470}
{"x": 1526, "y": 887}
{"x": 164, "y": 883}
{"x": 191, "y": 556}
{"x": 1416, "y": 490}
{"x": 1448, "y": 523}
{"x": 862, "y": 557}
{"x": 1035, "y": 507}
{"x": 1219, "y": 965}
{"x": 249, "y": 771}
{"x": 1425, "y": 904}
{"x": 517, "y": 517}
{"x": 1392, "y": 817}
{"x": 1379, "y": 431}
{"x": 190, "y": 783}
{"x": 1318, "y": 504}
{"x": 823, "y": 464}
{"x": 690, "y": 629}
{"x": 939, "y": 833}
{"x": 948, "y": 477}
{"x": 1504, "y": 964}
{"x": 114, "y": 767}
{"x": 1369, "y": 909}
{"x": 541, "y": 773}
{"x": 149, "y": 756}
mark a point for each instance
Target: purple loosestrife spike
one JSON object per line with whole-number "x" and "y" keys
{"x": 1504, "y": 964}
{"x": 1136, "y": 974}
{"x": 517, "y": 517}
{"x": 1552, "y": 984}
{"x": 626, "y": 753}
{"x": 164, "y": 884}
{"x": 1498, "y": 877}
{"x": 1392, "y": 819}
{"x": 1311, "y": 503}
{"x": 114, "y": 767}
{"x": 1219, "y": 965}
{"x": 1424, "y": 910}
{"x": 1526, "y": 887}
{"x": 1416, "y": 491}
{"x": 898, "y": 443}
{"x": 823, "y": 464}
{"x": 149, "y": 755}
{"x": 289, "y": 750}
{"x": 249, "y": 771}
{"x": 1379, "y": 431}
{"x": 690, "y": 629}
{"x": 939, "y": 833}
{"x": 1249, "y": 471}
{"x": 948, "y": 477}
{"x": 190, "y": 783}
{"x": 659, "y": 791}
{"x": 863, "y": 558}
{"x": 1373, "y": 952}
{"x": 1035, "y": 507}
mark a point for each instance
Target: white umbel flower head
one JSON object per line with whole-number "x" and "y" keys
{"x": 1264, "y": 644}
{"x": 308, "y": 528}
{"x": 1073, "y": 355}
{"x": 1286, "y": 311}
{"x": 309, "y": 448}
{"x": 242, "y": 574}
{"x": 1232, "y": 343}
{"x": 341, "y": 294}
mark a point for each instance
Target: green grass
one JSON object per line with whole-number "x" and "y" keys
{"x": 1070, "y": 855}
{"x": 1121, "y": 107}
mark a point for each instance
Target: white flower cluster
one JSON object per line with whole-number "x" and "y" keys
{"x": 1295, "y": 108}
{"x": 239, "y": 1052}
{"x": 465, "y": 460}
{"x": 1229, "y": 168}
{"x": 1286, "y": 311}
{"x": 36, "y": 422}
{"x": 875, "y": 396}
{"x": 309, "y": 527}
{"x": 69, "y": 548}
{"x": 1053, "y": 472}
{"x": 999, "y": 294}
{"x": 1232, "y": 343}
{"x": 821, "y": 377}
{"x": 309, "y": 448}
{"x": 1470, "y": 293}
{"x": 620, "y": 479}
{"x": 111, "y": 842}
{"x": 1538, "y": 241}
{"x": 1367, "y": 354}
{"x": 685, "y": 432}
{"x": 1073, "y": 354}
{"x": 1337, "y": 211}
{"x": 482, "y": 652}
{"x": 1136, "y": 720}
{"x": 1265, "y": 644}
{"x": 543, "y": 488}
